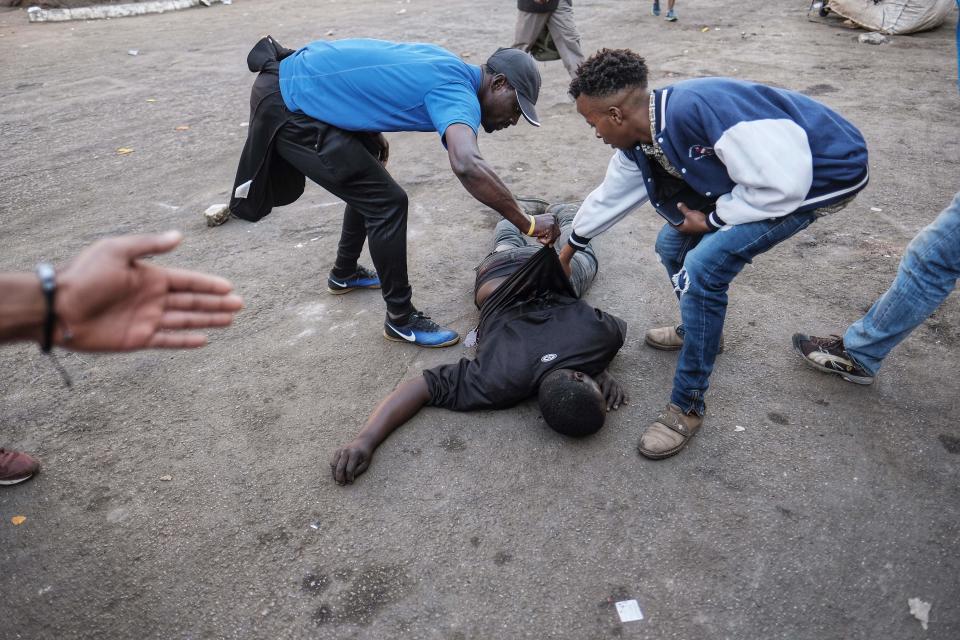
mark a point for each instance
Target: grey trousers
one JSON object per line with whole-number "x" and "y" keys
{"x": 562, "y": 29}
{"x": 583, "y": 266}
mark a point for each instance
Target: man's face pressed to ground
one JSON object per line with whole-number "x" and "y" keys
{"x": 499, "y": 108}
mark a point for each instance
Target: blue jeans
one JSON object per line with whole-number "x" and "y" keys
{"x": 927, "y": 274}
{"x": 701, "y": 269}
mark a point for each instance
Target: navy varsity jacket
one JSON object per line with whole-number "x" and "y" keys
{"x": 759, "y": 152}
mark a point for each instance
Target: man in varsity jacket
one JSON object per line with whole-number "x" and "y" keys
{"x": 735, "y": 168}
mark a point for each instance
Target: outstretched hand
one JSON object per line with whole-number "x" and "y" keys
{"x": 109, "y": 299}
{"x": 349, "y": 461}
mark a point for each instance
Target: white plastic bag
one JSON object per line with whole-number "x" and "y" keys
{"x": 894, "y": 16}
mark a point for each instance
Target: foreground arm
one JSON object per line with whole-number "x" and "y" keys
{"x": 483, "y": 184}
{"x": 107, "y": 299}
{"x": 621, "y": 191}
{"x": 403, "y": 403}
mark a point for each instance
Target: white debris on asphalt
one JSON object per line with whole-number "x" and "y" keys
{"x": 920, "y": 610}
{"x": 739, "y": 428}
{"x": 872, "y": 38}
{"x": 629, "y": 611}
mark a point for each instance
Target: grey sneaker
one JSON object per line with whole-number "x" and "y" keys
{"x": 532, "y": 206}
{"x": 830, "y": 356}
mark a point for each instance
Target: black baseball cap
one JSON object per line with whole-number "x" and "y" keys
{"x": 522, "y": 74}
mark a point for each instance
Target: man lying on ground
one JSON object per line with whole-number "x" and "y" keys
{"x": 535, "y": 337}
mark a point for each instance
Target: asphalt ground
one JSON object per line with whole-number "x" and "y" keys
{"x": 832, "y": 507}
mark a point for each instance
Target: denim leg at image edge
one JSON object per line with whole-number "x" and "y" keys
{"x": 927, "y": 274}
{"x": 702, "y": 283}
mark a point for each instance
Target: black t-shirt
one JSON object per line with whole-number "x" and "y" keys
{"x": 531, "y": 325}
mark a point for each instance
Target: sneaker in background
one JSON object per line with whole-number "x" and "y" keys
{"x": 15, "y": 467}
{"x": 656, "y": 8}
{"x": 830, "y": 356}
{"x": 671, "y": 16}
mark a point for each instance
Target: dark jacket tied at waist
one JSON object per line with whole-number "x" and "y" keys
{"x": 273, "y": 182}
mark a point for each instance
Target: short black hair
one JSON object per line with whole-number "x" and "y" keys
{"x": 572, "y": 407}
{"x": 609, "y": 71}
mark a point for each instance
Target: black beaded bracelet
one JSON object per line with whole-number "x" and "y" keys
{"x": 48, "y": 282}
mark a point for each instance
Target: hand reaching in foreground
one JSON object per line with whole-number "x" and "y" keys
{"x": 350, "y": 460}
{"x": 613, "y": 393}
{"x": 109, "y": 299}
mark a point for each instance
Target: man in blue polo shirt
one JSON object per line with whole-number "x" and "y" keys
{"x": 321, "y": 111}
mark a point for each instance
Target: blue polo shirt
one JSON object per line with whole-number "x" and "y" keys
{"x": 374, "y": 85}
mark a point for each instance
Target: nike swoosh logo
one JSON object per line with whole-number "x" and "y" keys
{"x": 408, "y": 338}
{"x": 339, "y": 284}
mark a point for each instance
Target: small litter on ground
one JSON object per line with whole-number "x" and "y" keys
{"x": 629, "y": 611}
{"x": 920, "y": 610}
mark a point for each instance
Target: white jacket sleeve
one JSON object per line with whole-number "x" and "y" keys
{"x": 621, "y": 191}
{"x": 771, "y": 163}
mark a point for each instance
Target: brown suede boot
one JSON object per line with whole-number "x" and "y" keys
{"x": 667, "y": 339}
{"x": 669, "y": 433}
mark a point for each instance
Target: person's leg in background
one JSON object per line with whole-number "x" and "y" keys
{"x": 566, "y": 36}
{"x": 927, "y": 274}
{"x": 671, "y": 14}
{"x": 529, "y": 26}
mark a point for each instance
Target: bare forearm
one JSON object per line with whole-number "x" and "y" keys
{"x": 22, "y": 307}
{"x": 394, "y": 411}
{"x": 480, "y": 180}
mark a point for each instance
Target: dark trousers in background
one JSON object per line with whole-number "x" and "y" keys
{"x": 345, "y": 163}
